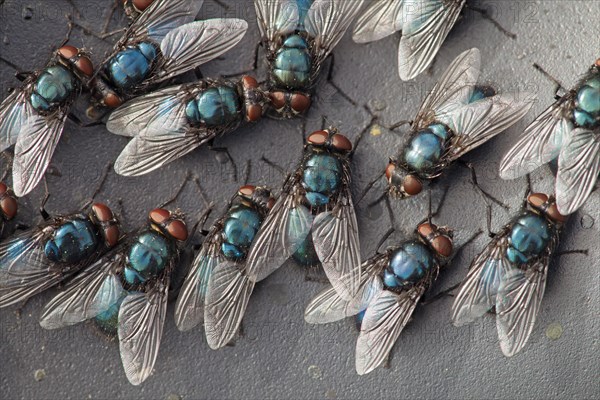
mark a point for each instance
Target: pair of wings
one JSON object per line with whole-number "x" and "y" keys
{"x": 516, "y": 292}
{"x": 424, "y": 25}
{"x": 141, "y": 314}
{"x": 552, "y": 135}
{"x": 326, "y": 22}
{"x": 473, "y": 123}
{"x": 160, "y": 129}
{"x": 386, "y": 315}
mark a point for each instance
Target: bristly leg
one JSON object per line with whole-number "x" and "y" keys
{"x": 475, "y": 183}
{"x": 224, "y": 150}
{"x": 330, "y": 80}
{"x": 486, "y": 15}
{"x": 98, "y": 188}
{"x": 558, "y": 85}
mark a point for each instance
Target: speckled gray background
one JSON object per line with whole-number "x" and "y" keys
{"x": 281, "y": 356}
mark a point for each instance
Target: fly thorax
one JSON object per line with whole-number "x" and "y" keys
{"x": 587, "y": 103}
{"x": 131, "y": 66}
{"x": 148, "y": 256}
{"x": 322, "y": 177}
{"x": 425, "y": 148}
{"x": 214, "y": 107}
{"x": 54, "y": 86}
{"x": 239, "y": 229}
{"x": 528, "y": 238}
{"x": 408, "y": 265}
{"x": 72, "y": 242}
{"x": 292, "y": 64}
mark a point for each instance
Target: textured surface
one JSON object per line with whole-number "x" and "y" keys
{"x": 281, "y": 356}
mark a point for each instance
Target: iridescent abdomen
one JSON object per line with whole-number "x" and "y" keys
{"x": 587, "y": 104}
{"x": 321, "y": 178}
{"x": 426, "y": 147}
{"x": 148, "y": 256}
{"x": 408, "y": 265}
{"x": 529, "y": 237}
{"x": 72, "y": 242}
{"x": 239, "y": 229}
{"x": 131, "y": 66}
{"x": 54, "y": 85}
{"x": 108, "y": 320}
{"x": 306, "y": 254}
{"x": 216, "y": 106}
{"x": 292, "y": 65}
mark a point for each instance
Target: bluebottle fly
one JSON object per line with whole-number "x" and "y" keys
{"x": 218, "y": 288}
{"x": 510, "y": 273}
{"x": 570, "y": 130}
{"x": 298, "y": 35}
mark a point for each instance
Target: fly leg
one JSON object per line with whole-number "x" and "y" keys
{"x": 223, "y": 151}
{"x": 486, "y": 15}
{"x": 558, "y": 85}
{"x": 332, "y": 83}
{"x": 179, "y": 191}
{"x": 475, "y": 183}
{"x": 98, "y": 188}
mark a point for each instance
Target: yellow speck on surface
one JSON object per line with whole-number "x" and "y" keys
{"x": 375, "y": 130}
{"x": 173, "y": 396}
{"x": 39, "y": 374}
{"x": 554, "y": 331}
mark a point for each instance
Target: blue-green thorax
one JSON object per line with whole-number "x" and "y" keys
{"x": 408, "y": 265}
{"x": 529, "y": 237}
{"x": 216, "y": 106}
{"x": 322, "y": 177}
{"x": 52, "y": 88}
{"x": 72, "y": 242}
{"x": 425, "y": 148}
{"x": 148, "y": 256}
{"x": 292, "y": 66}
{"x": 131, "y": 66}
{"x": 239, "y": 229}
{"x": 587, "y": 103}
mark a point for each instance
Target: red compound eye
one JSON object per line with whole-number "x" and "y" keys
{"x": 341, "y": 142}
{"x": 159, "y": 215}
{"x": 142, "y": 4}
{"x": 177, "y": 229}
{"x": 247, "y": 191}
{"x": 412, "y": 185}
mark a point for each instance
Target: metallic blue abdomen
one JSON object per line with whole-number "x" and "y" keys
{"x": 408, "y": 265}
{"x": 148, "y": 256}
{"x": 53, "y": 86}
{"x": 426, "y": 148}
{"x": 529, "y": 237}
{"x": 108, "y": 320}
{"x": 292, "y": 65}
{"x": 303, "y": 7}
{"x": 306, "y": 254}
{"x": 131, "y": 66}
{"x": 214, "y": 107}
{"x": 239, "y": 229}
{"x": 72, "y": 242}
{"x": 322, "y": 177}
{"x": 587, "y": 105}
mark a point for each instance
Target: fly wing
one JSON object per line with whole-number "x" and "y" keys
{"x": 335, "y": 236}
{"x": 189, "y": 310}
{"x": 382, "y": 18}
{"x": 15, "y": 112}
{"x": 426, "y": 25}
{"x": 94, "y": 290}
{"x": 578, "y": 170}
{"x": 519, "y": 297}
{"x": 540, "y": 143}
{"x": 34, "y": 149}
{"x": 228, "y": 294}
{"x": 282, "y": 232}
{"x": 476, "y": 123}
{"x": 141, "y": 322}
{"x": 160, "y": 111}
{"x": 327, "y": 21}
{"x": 454, "y": 88}
{"x": 384, "y": 320}
{"x": 24, "y": 268}
{"x": 193, "y": 44}
{"x": 276, "y": 17}
{"x": 478, "y": 292}
{"x": 329, "y": 306}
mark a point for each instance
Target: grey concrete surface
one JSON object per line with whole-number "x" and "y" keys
{"x": 280, "y": 356}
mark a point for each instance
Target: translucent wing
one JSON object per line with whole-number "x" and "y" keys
{"x": 141, "y": 321}
{"x": 477, "y": 293}
{"x": 145, "y": 154}
{"x": 160, "y": 18}
{"x": 93, "y": 291}
{"x": 15, "y": 112}
{"x": 162, "y": 111}
{"x": 578, "y": 170}
{"x": 384, "y": 320}
{"x": 228, "y": 293}
{"x": 478, "y": 122}
{"x": 335, "y": 236}
{"x": 426, "y": 25}
{"x": 453, "y": 89}
{"x": 329, "y": 306}
{"x": 382, "y": 18}
{"x": 276, "y": 17}
{"x": 189, "y": 310}
{"x": 34, "y": 149}
{"x": 540, "y": 143}
{"x": 193, "y": 44}
{"x": 327, "y": 21}
{"x": 279, "y": 236}
{"x": 519, "y": 298}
